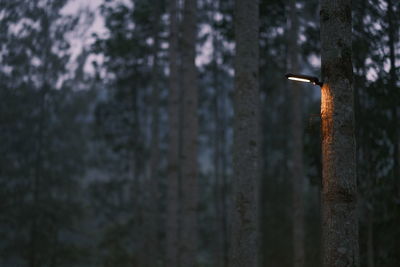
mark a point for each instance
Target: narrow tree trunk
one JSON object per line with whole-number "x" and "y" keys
{"x": 224, "y": 212}
{"x": 246, "y": 147}
{"x": 339, "y": 186}
{"x": 151, "y": 201}
{"x": 38, "y": 170}
{"x": 395, "y": 96}
{"x": 173, "y": 142}
{"x": 224, "y": 175}
{"x": 219, "y": 252}
{"x": 35, "y": 225}
{"x": 393, "y": 90}
{"x": 189, "y": 134}
{"x": 137, "y": 169}
{"x": 296, "y": 139}
{"x": 217, "y": 165}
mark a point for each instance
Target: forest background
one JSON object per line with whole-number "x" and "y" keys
{"x": 85, "y": 132}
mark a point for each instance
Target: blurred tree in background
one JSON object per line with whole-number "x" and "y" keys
{"x": 86, "y": 148}
{"x": 42, "y": 126}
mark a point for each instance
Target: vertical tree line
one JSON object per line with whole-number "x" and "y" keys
{"x": 246, "y": 143}
{"x": 173, "y": 138}
{"x": 339, "y": 185}
{"x": 173, "y": 141}
{"x": 296, "y": 149}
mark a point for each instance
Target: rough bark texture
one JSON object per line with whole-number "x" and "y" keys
{"x": 246, "y": 147}
{"x": 339, "y": 186}
{"x": 173, "y": 142}
{"x": 296, "y": 139}
{"x": 189, "y": 135}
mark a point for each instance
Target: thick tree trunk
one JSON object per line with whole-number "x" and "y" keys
{"x": 189, "y": 135}
{"x": 296, "y": 139}
{"x": 339, "y": 186}
{"x": 246, "y": 147}
{"x": 173, "y": 142}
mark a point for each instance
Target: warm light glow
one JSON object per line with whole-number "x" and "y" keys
{"x": 299, "y": 79}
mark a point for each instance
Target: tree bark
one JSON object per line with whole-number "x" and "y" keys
{"x": 339, "y": 186}
{"x": 173, "y": 142}
{"x": 189, "y": 135}
{"x": 296, "y": 139}
{"x": 246, "y": 147}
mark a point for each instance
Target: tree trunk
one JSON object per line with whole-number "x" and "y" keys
{"x": 173, "y": 142}
{"x": 224, "y": 182}
{"x": 339, "y": 186}
{"x": 395, "y": 97}
{"x": 220, "y": 252}
{"x": 246, "y": 147}
{"x": 189, "y": 135}
{"x": 296, "y": 139}
{"x": 34, "y": 258}
{"x": 224, "y": 175}
{"x": 151, "y": 201}
{"x": 393, "y": 91}
{"x": 217, "y": 164}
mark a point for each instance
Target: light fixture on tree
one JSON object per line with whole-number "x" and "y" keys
{"x": 304, "y": 78}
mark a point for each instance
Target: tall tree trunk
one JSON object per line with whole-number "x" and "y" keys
{"x": 224, "y": 175}
{"x": 217, "y": 163}
{"x": 136, "y": 166}
{"x": 339, "y": 186}
{"x": 394, "y": 92}
{"x": 151, "y": 192}
{"x": 189, "y": 135}
{"x": 173, "y": 142}
{"x": 35, "y": 225}
{"x": 246, "y": 147}
{"x": 296, "y": 139}
{"x": 395, "y": 96}
{"x": 34, "y": 260}
{"x": 220, "y": 253}
{"x": 224, "y": 183}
